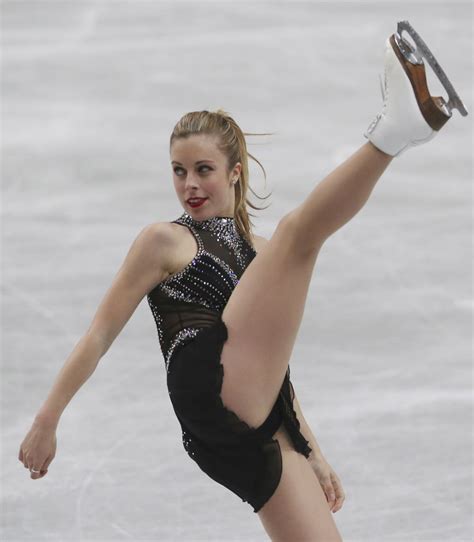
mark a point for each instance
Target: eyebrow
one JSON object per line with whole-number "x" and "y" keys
{"x": 198, "y": 162}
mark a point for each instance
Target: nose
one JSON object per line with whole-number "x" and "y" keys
{"x": 191, "y": 181}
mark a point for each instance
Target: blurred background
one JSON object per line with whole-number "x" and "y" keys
{"x": 91, "y": 91}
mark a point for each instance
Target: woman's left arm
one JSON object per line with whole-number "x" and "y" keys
{"x": 328, "y": 479}
{"x": 306, "y": 431}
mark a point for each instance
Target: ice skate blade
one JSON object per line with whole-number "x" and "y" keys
{"x": 434, "y": 109}
{"x": 415, "y": 58}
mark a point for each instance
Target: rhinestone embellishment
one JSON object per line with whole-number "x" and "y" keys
{"x": 204, "y": 284}
{"x": 180, "y": 338}
{"x": 223, "y": 228}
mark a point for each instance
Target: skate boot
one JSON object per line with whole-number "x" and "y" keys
{"x": 410, "y": 115}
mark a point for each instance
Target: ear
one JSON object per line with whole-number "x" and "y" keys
{"x": 237, "y": 170}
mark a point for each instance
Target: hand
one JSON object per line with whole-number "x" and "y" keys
{"x": 38, "y": 449}
{"x": 329, "y": 481}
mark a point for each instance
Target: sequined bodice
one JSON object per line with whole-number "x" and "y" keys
{"x": 190, "y": 300}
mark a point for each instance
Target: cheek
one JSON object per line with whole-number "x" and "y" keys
{"x": 216, "y": 186}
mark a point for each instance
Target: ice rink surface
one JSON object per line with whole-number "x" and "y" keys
{"x": 382, "y": 366}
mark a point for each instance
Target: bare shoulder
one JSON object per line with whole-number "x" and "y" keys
{"x": 157, "y": 233}
{"x": 164, "y": 232}
{"x": 178, "y": 244}
{"x": 259, "y": 242}
{"x": 154, "y": 244}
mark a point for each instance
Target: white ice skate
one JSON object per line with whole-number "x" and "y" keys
{"x": 410, "y": 115}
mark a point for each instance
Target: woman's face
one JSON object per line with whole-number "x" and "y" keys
{"x": 199, "y": 171}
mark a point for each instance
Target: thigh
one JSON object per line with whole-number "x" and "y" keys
{"x": 263, "y": 316}
{"x": 298, "y": 509}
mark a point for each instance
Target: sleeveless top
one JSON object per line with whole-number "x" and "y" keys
{"x": 192, "y": 299}
{"x": 186, "y": 302}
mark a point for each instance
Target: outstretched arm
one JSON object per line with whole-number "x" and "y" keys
{"x": 144, "y": 266}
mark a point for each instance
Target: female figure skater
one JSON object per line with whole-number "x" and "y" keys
{"x": 227, "y": 335}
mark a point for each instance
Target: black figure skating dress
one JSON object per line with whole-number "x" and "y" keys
{"x": 187, "y": 308}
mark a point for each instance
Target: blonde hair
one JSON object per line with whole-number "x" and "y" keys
{"x": 231, "y": 141}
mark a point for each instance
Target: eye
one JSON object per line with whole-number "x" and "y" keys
{"x": 200, "y": 168}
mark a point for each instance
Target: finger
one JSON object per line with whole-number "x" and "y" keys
{"x": 35, "y": 475}
{"x": 336, "y": 482}
{"x": 340, "y": 497}
{"x": 38, "y": 474}
{"x": 47, "y": 462}
{"x": 338, "y": 505}
{"x": 22, "y": 458}
{"x": 42, "y": 473}
{"x": 333, "y": 492}
{"x": 26, "y": 461}
{"x": 44, "y": 468}
{"x": 330, "y": 493}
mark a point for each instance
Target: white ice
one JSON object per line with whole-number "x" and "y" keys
{"x": 383, "y": 362}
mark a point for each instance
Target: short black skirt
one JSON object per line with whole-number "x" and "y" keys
{"x": 245, "y": 460}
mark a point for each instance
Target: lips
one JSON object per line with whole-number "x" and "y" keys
{"x": 196, "y": 202}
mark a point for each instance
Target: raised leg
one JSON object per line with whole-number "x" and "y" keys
{"x": 264, "y": 312}
{"x": 339, "y": 196}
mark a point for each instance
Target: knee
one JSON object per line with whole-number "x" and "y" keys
{"x": 290, "y": 224}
